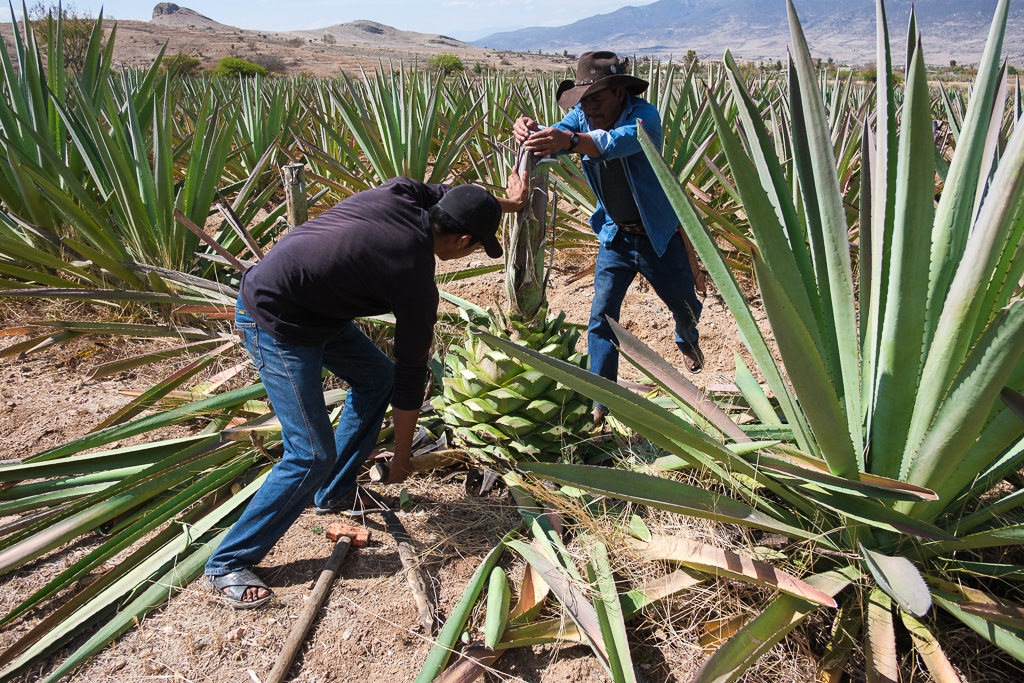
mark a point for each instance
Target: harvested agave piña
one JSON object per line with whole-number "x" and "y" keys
{"x": 497, "y": 406}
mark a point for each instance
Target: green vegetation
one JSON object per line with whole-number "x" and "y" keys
{"x": 234, "y": 67}
{"x": 447, "y": 64}
{"x": 76, "y": 29}
{"x": 182, "y": 65}
{"x": 884, "y": 450}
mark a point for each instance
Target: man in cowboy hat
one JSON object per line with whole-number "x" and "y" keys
{"x": 635, "y": 224}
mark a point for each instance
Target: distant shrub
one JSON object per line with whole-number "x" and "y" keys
{"x": 272, "y": 63}
{"x": 868, "y": 74}
{"x": 238, "y": 68}
{"x": 295, "y": 42}
{"x": 181, "y": 65}
{"x": 76, "y": 30}
{"x": 446, "y": 63}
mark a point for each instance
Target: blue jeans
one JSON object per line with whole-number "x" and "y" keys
{"x": 617, "y": 266}
{"x": 319, "y": 464}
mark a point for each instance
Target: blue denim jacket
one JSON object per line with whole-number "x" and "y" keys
{"x": 621, "y": 143}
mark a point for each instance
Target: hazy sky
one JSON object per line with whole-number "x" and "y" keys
{"x": 463, "y": 19}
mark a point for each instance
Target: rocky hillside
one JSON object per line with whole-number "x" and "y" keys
{"x": 321, "y": 52}
{"x": 757, "y": 29}
{"x": 169, "y": 14}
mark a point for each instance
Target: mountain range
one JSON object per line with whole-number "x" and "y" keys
{"x": 758, "y": 29}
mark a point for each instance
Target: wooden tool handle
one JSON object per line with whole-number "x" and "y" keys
{"x": 420, "y": 463}
{"x": 305, "y": 621}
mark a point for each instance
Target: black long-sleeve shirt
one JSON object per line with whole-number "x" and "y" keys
{"x": 373, "y": 253}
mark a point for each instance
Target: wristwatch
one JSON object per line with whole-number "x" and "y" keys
{"x": 574, "y": 140}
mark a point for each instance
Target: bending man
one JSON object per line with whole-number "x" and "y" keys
{"x": 371, "y": 254}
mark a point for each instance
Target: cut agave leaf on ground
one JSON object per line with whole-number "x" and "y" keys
{"x": 758, "y": 636}
{"x": 869, "y": 483}
{"x": 533, "y": 591}
{"x": 158, "y": 390}
{"x": 663, "y": 494}
{"x": 157, "y": 592}
{"x": 880, "y": 640}
{"x": 637, "y": 599}
{"x": 1010, "y": 640}
{"x": 127, "y": 456}
{"x": 661, "y": 371}
{"x": 725, "y": 563}
{"x": 931, "y": 653}
{"x": 575, "y": 602}
{"x": 609, "y": 613}
{"x": 69, "y": 624}
{"x": 900, "y": 580}
{"x": 543, "y": 631}
{"x": 470, "y": 664}
{"x": 448, "y": 637}
{"x": 107, "y": 369}
{"x": 227, "y": 400}
{"x": 498, "y": 597}
{"x": 1007, "y": 615}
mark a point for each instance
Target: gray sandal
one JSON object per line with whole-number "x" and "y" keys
{"x": 231, "y": 588}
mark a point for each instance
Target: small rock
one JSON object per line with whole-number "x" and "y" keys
{"x": 234, "y": 634}
{"x": 347, "y": 634}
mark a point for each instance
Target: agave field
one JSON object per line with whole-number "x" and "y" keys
{"x": 871, "y": 459}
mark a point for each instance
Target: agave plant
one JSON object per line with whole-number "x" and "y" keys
{"x": 893, "y": 445}
{"x": 497, "y": 406}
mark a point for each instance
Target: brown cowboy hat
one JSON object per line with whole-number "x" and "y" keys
{"x": 597, "y": 71}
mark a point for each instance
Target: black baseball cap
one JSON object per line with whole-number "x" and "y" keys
{"x": 474, "y": 211}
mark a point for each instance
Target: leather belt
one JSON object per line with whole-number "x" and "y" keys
{"x": 632, "y": 228}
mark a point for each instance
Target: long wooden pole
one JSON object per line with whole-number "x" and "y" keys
{"x": 316, "y": 600}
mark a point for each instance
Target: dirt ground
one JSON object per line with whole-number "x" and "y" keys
{"x": 369, "y": 624}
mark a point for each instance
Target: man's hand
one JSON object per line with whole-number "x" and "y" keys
{"x": 399, "y": 470}
{"x": 518, "y": 192}
{"x": 548, "y": 141}
{"x": 523, "y": 127}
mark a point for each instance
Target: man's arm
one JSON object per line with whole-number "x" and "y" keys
{"x": 618, "y": 142}
{"x": 557, "y": 138}
{"x": 405, "y": 430}
{"x": 550, "y": 141}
